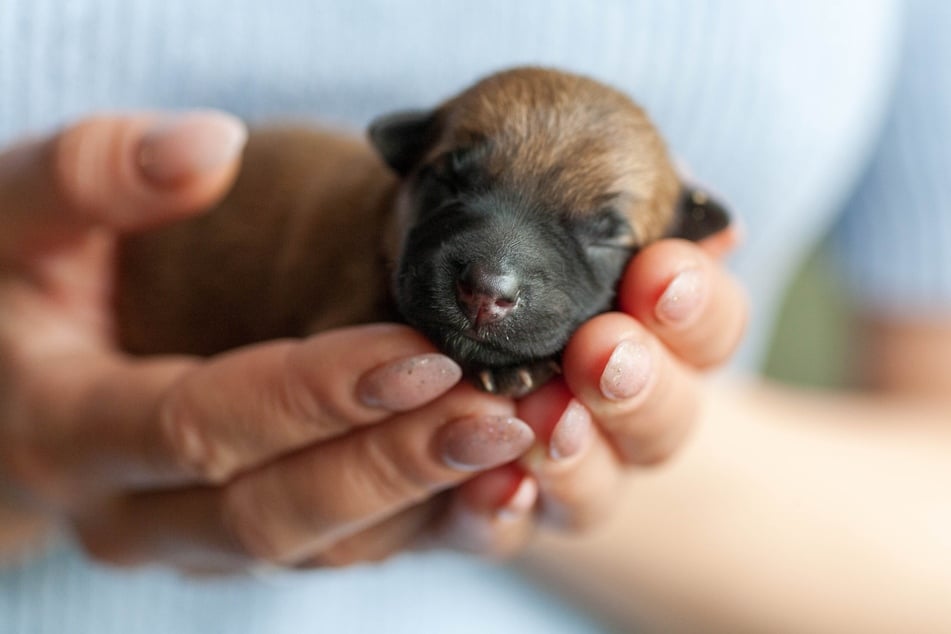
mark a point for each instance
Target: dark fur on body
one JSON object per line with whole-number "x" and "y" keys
{"x": 497, "y": 223}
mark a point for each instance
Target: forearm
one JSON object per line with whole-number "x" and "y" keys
{"x": 788, "y": 511}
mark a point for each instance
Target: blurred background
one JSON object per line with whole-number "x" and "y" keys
{"x": 811, "y": 341}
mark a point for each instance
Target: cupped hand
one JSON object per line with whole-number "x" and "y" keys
{"x": 630, "y": 393}
{"x": 323, "y": 451}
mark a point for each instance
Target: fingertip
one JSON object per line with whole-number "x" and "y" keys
{"x": 687, "y": 299}
{"x": 475, "y": 443}
{"x": 587, "y": 360}
{"x": 367, "y": 373}
{"x": 132, "y": 172}
{"x": 646, "y": 402}
{"x": 186, "y": 146}
{"x": 651, "y": 271}
{"x": 409, "y": 382}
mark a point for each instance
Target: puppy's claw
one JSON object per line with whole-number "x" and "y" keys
{"x": 487, "y": 381}
{"x": 525, "y": 380}
{"x": 514, "y": 381}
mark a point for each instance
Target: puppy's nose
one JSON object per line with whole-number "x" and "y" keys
{"x": 486, "y": 296}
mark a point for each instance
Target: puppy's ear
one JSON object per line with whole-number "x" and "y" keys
{"x": 402, "y": 138}
{"x": 698, "y": 215}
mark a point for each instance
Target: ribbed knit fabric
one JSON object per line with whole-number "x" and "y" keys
{"x": 778, "y": 105}
{"x": 895, "y": 238}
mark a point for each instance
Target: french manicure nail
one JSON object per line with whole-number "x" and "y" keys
{"x": 571, "y": 432}
{"x": 184, "y": 145}
{"x": 408, "y": 383}
{"x": 521, "y": 502}
{"x": 471, "y": 444}
{"x": 681, "y": 298}
{"x": 627, "y": 372}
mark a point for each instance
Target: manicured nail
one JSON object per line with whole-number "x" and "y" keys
{"x": 521, "y": 502}
{"x": 471, "y": 444}
{"x": 627, "y": 372}
{"x": 682, "y": 298}
{"x": 184, "y": 145}
{"x": 407, "y": 383}
{"x": 571, "y": 432}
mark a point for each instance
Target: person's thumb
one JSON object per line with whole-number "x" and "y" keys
{"x": 126, "y": 172}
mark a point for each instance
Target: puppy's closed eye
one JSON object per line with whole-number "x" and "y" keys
{"x": 605, "y": 229}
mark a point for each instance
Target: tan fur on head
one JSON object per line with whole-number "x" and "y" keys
{"x": 570, "y": 139}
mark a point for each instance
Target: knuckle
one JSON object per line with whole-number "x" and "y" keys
{"x": 81, "y": 158}
{"x": 390, "y": 472}
{"x": 301, "y": 394}
{"x": 250, "y": 530}
{"x": 187, "y": 447}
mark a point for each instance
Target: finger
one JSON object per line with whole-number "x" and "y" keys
{"x": 721, "y": 243}
{"x": 577, "y": 470}
{"x": 491, "y": 515}
{"x": 112, "y": 534}
{"x": 124, "y": 171}
{"x": 687, "y": 299}
{"x": 642, "y": 398}
{"x": 149, "y": 423}
{"x": 295, "y": 508}
{"x": 380, "y": 541}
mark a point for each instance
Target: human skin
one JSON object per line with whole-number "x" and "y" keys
{"x": 210, "y": 465}
{"x": 789, "y": 510}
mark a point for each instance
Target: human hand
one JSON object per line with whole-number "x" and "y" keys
{"x": 298, "y": 453}
{"x": 630, "y": 392}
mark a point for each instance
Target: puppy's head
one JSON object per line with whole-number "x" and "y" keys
{"x": 523, "y": 199}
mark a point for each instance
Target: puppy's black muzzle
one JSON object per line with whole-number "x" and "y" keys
{"x": 495, "y": 287}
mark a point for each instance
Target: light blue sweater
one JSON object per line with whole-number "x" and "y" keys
{"x": 785, "y": 108}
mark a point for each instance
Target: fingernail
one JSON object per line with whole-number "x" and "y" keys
{"x": 471, "y": 444}
{"x": 407, "y": 383}
{"x": 681, "y": 298}
{"x": 188, "y": 144}
{"x": 627, "y": 372}
{"x": 521, "y": 502}
{"x": 571, "y": 432}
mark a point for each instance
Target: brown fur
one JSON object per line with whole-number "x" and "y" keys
{"x": 566, "y": 140}
{"x": 295, "y": 247}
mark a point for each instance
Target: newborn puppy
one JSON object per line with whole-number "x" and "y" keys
{"x": 500, "y": 222}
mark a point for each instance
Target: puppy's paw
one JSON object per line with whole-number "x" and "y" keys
{"x": 515, "y": 380}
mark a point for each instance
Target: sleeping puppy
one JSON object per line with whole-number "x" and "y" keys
{"x": 495, "y": 224}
